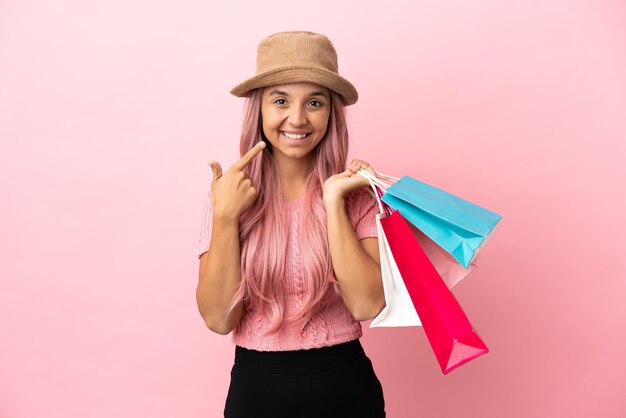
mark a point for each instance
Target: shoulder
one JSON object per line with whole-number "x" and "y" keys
{"x": 361, "y": 197}
{"x": 361, "y": 208}
{"x": 360, "y": 202}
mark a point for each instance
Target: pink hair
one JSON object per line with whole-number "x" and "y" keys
{"x": 263, "y": 228}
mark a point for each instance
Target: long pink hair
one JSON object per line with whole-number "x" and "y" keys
{"x": 263, "y": 228}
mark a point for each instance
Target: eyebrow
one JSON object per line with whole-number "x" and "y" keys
{"x": 284, "y": 93}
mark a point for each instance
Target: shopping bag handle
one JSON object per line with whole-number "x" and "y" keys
{"x": 379, "y": 188}
{"x": 386, "y": 177}
{"x": 382, "y": 183}
{"x": 383, "y": 178}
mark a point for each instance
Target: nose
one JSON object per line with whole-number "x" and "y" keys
{"x": 297, "y": 116}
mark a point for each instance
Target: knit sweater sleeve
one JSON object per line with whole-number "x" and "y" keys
{"x": 362, "y": 211}
{"x": 206, "y": 223}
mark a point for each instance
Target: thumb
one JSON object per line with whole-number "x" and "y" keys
{"x": 217, "y": 170}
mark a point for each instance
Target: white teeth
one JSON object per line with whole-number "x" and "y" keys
{"x": 290, "y": 136}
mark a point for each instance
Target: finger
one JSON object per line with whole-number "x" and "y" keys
{"x": 361, "y": 162}
{"x": 358, "y": 164}
{"x": 355, "y": 168}
{"x": 248, "y": 156}
{"x": 368, "y": 168}
{"x": 217, "y": 170}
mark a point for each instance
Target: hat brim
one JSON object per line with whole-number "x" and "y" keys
{"x": 296, "y": 74}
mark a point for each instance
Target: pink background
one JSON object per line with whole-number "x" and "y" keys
{"x": 110, "y": 112}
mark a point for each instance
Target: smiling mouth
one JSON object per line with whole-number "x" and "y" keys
{"x": 292, "y": 136}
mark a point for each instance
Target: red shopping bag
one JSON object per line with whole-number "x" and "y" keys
{"x": 450, "y": 334}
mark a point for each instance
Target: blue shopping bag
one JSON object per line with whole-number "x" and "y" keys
{"x": 456, "y": 225}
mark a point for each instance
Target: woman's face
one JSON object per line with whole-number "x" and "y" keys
{"x": 295, "y": 117}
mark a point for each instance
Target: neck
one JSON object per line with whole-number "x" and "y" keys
{"x": 293, "y": 174}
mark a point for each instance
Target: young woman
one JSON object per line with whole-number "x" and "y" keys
{"x": 288, "y": 249}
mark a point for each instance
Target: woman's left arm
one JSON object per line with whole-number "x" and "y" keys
{"x": 356, "y": 262}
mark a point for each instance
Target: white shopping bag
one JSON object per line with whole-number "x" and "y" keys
{"x": 399, "y": 310}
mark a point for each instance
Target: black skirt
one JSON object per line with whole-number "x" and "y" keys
{"x": 336, "y": 381}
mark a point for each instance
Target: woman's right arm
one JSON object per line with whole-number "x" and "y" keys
{"x": 220, "y": 275}
{"x": 232, "y": 193}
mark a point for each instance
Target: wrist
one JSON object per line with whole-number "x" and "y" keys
{"x": 333, "y": 202}
{"x": 225, "y": 216}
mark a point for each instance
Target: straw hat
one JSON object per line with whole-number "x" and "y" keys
{"x": 297, "y": 56}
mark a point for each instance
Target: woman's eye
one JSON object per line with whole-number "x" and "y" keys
{"x": 316, "y": 101}
{"x": 279, "y": 100}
